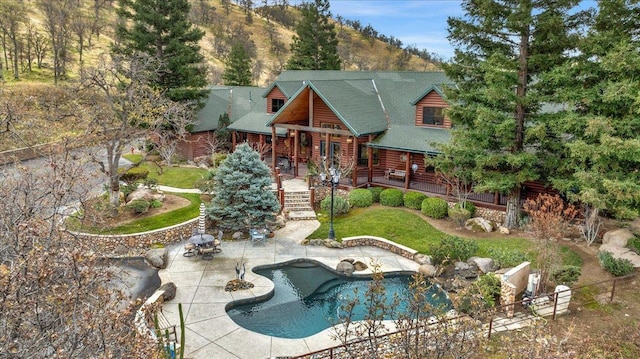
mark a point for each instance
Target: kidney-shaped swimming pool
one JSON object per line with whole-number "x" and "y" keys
{"x": 308, "y": 298}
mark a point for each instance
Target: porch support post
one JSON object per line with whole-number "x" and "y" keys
{"x": 296, "y": 153}
{"x": 327, "y": 145}
{"x": 354, "y": 173}
{"x": 496, "y": 198}
{"x": 370, "y": 161}
{"x": 234, "y": 140}
{"x": 407, "y": 170}
{"x": 261, "y": 141}
{"x": 274, "y": 142}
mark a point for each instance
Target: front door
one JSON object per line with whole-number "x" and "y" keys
{"x": 334, "y": 153}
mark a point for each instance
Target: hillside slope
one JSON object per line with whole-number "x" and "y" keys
{"x": 266, "y": 31}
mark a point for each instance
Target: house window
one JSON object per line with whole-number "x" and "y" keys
{"x": 363, "y": 155}
{"x": 276, "y": 104}
{"x": 432, "y": 116}
{"x": 333, "y": 126}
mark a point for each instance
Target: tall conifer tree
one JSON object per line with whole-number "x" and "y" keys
{"x": 315, "y": 45}
{"x": 237, "y": 71}
{"x": 161, "y": 29}
{"x": 601, "y": 87}
{"x": 501, "y": 48}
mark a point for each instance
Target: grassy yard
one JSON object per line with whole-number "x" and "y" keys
{"x": 411, "y": 230}
{"x": 178, "y": 177}
{"x": 159, "y": 221}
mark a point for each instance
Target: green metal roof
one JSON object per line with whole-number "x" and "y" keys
{"x": 412, "y": 139}
{"x": 255, "y": 122}
{"x": 241, "y": 100}
{"x": 355, "y": 102}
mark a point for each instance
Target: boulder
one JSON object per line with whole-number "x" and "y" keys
{"x": 157, "y": 257}
{"x": 466, "y": 270}
{"x": 332, "y": 244}
{"x": 146, "y": 194}
{"x": 504, "y": 230}
{"x": 423, "y": 259}
{"x": 345, "y": 268}
{"x": 634, "y": 226}
{"x": 428, "y": 270}
{"x": 359, "y": 266}
{"x": 350, "y": 260}
{"x": 169, "y": 291}
{"x": 478, "y": 224}
{"x": 485, "y": 265}
{"x": 617, "y": 237}
{"x": 238, "y": 236}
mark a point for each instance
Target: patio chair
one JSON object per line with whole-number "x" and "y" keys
{"x": 190, "y": 249}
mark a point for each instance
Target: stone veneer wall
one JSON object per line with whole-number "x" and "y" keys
{"x": 494, "y": 215}
{"x": 513, "y": 282}
{"x": 136, "y": 244}
{"x": 380, "y": 243}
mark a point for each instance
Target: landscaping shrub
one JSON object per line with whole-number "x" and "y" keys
{"x": 391, "y": 197}
{"x": 617, "y": 266}
{"x": 340, "y": 205}
{"x": 360, "y": 197}
{"x": 127, "y": 189}
{"x": 134, "y": 175}
{"x": 375, "y": 192}
{"x": 413, "y": 200}
{"x": 550, "y": 216}
{"x": 155, "y": 204}
{"x": 459, "y": 215}
{"x": 453, "y": 249}
{"x": 150, "y": 183}
{"x": 469, "y": 206}
{"x": 505, "y": 257}
{"x": 566, "y": 275}
{"x": 138, "y": 206}
{"x": 434, "y": 207}
{"x": 634, "y": 244}
{"x": 488, "y": 285}
{"x": 217, "y": 158}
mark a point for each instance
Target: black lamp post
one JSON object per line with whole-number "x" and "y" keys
{"x": 333, "y": 181}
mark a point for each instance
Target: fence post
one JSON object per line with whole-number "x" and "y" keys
{"x": 613, "y": 290}
{"x": 490, "y": 327}
{"x": 555, "y": 304}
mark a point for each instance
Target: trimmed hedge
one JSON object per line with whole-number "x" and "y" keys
{"x": 138, "y": 206}
{"x": 340, "y": 205}
{"x": 391, "y": 197}
{"x": 413, "y": 200}
{"x": 469, "y": 206}
{"x": 134, "y": 174}
{"x": 434, "y": 207}
{"x": 360, "y": 197}
{"x": 375, "y": 192}
{"x": 459, "y": 215}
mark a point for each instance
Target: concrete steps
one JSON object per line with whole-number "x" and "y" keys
{"x": 298, "y": 205}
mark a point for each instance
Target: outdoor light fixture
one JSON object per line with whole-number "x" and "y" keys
{"x": 331, "y": 179}
{"x": 414, "y": 167}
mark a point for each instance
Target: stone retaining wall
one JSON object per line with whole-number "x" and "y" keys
{"x": 137, "y": 244}
{"x": 490, "y": 214}
{"x": 512, "y": 283}
{"x": 380, "y": 243}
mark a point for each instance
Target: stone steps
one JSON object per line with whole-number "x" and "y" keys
{"x": 298, "y": 205}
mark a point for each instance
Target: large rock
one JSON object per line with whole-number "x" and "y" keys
{"x": 485, "y": 265}
{"x": 145, "y": 194}
{"x": 238, "y": 235}
{"x": 617, "y": 237}
{"x": 428, "y": 270}
{"x": 634, "y": 226}
{"x": 169, "y": 291}
{"x": 345, "y": 268}
{"x": 329, "y": 243}
{"x": 423, "y": 259}
{"x": 478, "y": 224}
{"x": 359, "y": 266}
{"x": 157, "y": 257}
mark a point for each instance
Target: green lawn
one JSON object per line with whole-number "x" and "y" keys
{"x": 411, "y": 230}
{"x": 178, "y": 177}
{"x": 160, "y": 221}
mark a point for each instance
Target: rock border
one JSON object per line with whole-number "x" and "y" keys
{"x": 380, "y": 243}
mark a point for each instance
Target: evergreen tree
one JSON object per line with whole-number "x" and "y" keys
{"x": 161, "y": 29}
{"x": 222, "y": 132}
{"x": 601, "y": 87}
{"x": 237, "y": 70}
{"x": 242, "y": 196}
{"x": 502, "y": 47}
{"x": 315, "y": 45}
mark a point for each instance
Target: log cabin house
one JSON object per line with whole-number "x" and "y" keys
{"x": 377, "y": 126}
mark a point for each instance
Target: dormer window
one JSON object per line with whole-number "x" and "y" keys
{"x": 432, "y": 116}
{"x": 276, "y": 104}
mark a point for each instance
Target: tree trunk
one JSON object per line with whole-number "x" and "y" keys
{"x": 513, "y": 209}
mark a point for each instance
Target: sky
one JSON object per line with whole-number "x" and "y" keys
{"x": 422, "y": 23}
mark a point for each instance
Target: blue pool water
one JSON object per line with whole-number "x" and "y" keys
{"x": 309, "y": 298}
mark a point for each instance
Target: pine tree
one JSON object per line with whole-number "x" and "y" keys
{"x": 600, "y": 88}
{"x": 161, "y": 29}
{"x": 242, "y": 196}
{"x": 315, "y": 45}
{"x": 501, "y": 48}
{"x": 237, "y": 70}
